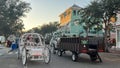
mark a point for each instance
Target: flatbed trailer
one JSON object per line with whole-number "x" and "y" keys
{"x": 78, "y": 45}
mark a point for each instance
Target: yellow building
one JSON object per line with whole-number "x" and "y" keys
{"x": 66, "y": 16}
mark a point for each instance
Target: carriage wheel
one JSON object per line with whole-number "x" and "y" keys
{"x": 47, "y": 55}
{"x": 53, "y": 50}
{"x": 24, "y": 56}
{"x": 74, "y": 56}
{"x": 18, "y": 54}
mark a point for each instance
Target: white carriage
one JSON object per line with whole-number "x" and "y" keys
{"x": 32, "y": 47}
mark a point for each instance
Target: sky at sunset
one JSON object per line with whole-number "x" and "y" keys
{"x": 45, "y": 11}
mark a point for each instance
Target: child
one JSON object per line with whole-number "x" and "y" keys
{"x": 13, "y": 46}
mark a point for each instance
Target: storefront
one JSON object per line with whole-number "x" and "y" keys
{"x": 118, "y": 31}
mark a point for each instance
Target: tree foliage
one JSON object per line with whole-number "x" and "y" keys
{"x": 46, "y": 28}
{"x": 91, "y": 17}
{"x": 11, "y": 12}
{"x": 102, "y": 11}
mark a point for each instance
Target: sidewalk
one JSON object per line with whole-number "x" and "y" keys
{"x": 112, "y": 55}
{"x": 115, "y": 50}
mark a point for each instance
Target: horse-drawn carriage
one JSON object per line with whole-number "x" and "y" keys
{"x": 32, "y": 47}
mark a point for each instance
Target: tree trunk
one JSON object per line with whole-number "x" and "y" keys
{"x": 106, "y": 37}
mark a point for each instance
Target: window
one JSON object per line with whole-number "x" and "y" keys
{"x": 68, "y": 12}
{"x": 64, "y": 14}
{"x": 118, "y": 35}
{"x": 78, "y": 12}
{"x": 76, "y": 22}
{"x": 74, "y": 12}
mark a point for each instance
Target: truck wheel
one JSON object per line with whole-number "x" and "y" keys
{"x": 59, "y": 53}
{"x": 74, "y": 56}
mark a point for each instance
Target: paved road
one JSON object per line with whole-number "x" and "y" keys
{"x": 9, "y": 60}
{"x": 3, "y": 50}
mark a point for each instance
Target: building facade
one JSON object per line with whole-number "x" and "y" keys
{"x": 70, "y": 24}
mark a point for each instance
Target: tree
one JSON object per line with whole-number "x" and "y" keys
{"x": 46, "y": 28}
{"x": 91, "y": 17}
{"x": 104, "y": 10}
{"x": 49, "y": 28}
{"x": 109, "y": 7}
{"x": 10, "y": 15}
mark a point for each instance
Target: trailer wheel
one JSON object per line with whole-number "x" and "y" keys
{"x": 74, "y": 56}
{"x": 24, "y": 56}
{"x": 59, "y": 53}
